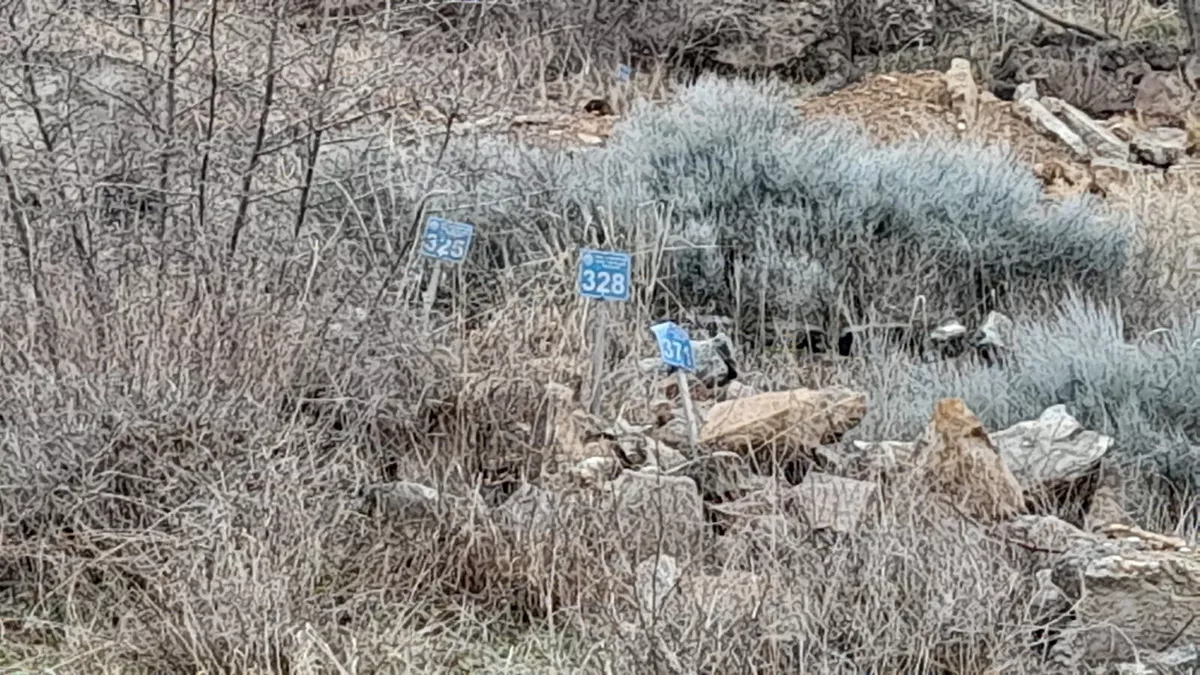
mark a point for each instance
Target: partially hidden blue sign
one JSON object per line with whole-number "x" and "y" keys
{"x": 674, "y": 345}
{"x": 604, "y": 275}
{"x": 624, "y": 73}
{"x": 446, "y": 240}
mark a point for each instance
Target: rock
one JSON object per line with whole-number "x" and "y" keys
{"x": 1134, "y": 601}
{"x": 870, "y": 460}
{"x": 1026, "y": 91}
{"x": 673, "y": 433}
{"x": 663, "y": 456}
{"x": 1183, "y": 659}
{"x": 575, "y": 435}
{"x": 964, "y": 93}
{"x": 736, "y": 390}
{"x": 655, "y": 579}
{"x": 595, "y": 471}
{"x": 1051, "y": 450}
{"x": 1101, "y": 141}
{"x": 1099, "y": 78}
{"x": 667, "y": 593}
{"x": 1186, "y": 170}
{"x": 832, "y": 502}
{"x": 650, "y": 508}
{"x": 1107, "y": 504}
{"x": 994, "y": 337}
{"x": 1146, "y": 541}
{"x": 1160, "y": 146}
{"x": 720, "y": 476}
{"x": 1162, "y": 96}
{"x": 949, "y": 339}
{"x": 958, "y": 461}
{"x": 796, "y": 419}
{"x": 1042, "y": 539}
{"x": 820, "y": 502}
{"x": 1049, "y": 605}
{"x": 401, "y": 500}
{"x": 1044, "y": 121}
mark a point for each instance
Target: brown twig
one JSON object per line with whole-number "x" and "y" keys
{"x": 1063, "y": 23}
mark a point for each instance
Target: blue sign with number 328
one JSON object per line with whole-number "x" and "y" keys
{"x": 446, "y": 240}
{"x": 604, "y": 275}
{"x": 674, "y": 345}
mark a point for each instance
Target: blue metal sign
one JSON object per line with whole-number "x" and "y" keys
{"x": 446, "y": 240}
{"x": 604, "y": 275}
{"x": 624, "y": 73}
{"x": 674, "y": 345}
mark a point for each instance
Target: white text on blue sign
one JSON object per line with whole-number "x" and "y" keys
{"x": 674, "y": 345}
{"x": 446, "y": 240}
{"x": 604, "y": 275}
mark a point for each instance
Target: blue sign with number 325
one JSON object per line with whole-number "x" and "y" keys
{"x": 604, "y": 275}
{"x": 446, "y": 240}
{"x": 674, "y": 345}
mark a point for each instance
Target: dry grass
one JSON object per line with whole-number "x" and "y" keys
{"x": 197, "y": 388}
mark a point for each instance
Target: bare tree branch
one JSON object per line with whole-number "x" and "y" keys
{"x": 1063, "y": 23}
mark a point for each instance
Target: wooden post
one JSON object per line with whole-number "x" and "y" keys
{"x": 689, "y": 409}
{"x": 435, "y": 280}
{"x": 599, "y": 349}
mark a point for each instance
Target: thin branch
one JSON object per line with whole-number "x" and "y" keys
{"x": 1063, "y": 23}
{"x": 239, "y": 222}
{"x": 210, "y": 122}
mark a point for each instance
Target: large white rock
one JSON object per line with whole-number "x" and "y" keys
{"x": 1053, "y": 448}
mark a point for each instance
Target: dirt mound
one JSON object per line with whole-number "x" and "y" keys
{"x": 908, "y": 106}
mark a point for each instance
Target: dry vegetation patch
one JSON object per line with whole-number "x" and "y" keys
{"x": 230, "y": 440}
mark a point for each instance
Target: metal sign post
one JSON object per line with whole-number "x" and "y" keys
{"x": 605, "y": 276}
{"x": 675, "y": 349}
{"x": 444, "y": 241}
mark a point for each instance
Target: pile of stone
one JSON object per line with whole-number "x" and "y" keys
{"x": 775, "y": 464}
{"x": 1117, "y": 145}
{"x": 1155, "y": 137}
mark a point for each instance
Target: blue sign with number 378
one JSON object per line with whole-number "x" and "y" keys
{"x": 446, "y": 240}
{"x": 674, "y": 345}
{"x": 604, "y": 275}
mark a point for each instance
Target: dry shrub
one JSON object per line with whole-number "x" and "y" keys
{"x": 203, "y": 375}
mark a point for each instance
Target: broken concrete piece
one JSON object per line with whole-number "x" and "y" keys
{"x": 1101, "y": 141}
{"x": 1026, "y": 91}
{"x": 832, "y": 502}
{"x": 1044, "y": 121}
{"x": 1052, "y": 449}
{"x": 1160, "y": 146}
